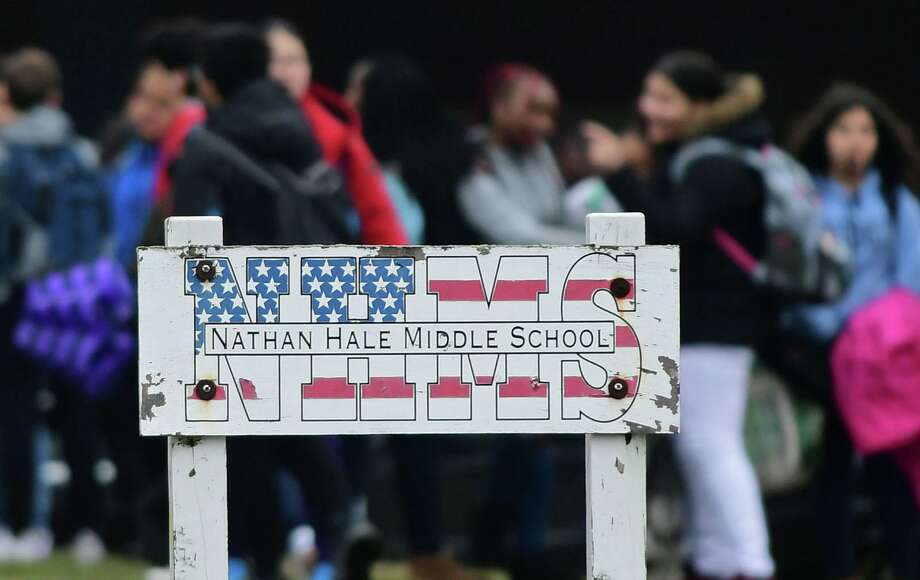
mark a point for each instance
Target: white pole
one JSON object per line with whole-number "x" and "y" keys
{"x": 615, "y": 464}
{"x": 197, "y": 465}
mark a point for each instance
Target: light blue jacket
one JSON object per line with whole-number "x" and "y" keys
{"x": 884, "y": 254}
{"x": 409, "y": 210}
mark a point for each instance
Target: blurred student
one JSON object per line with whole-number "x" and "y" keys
{"x": 865, "y": 167}
{"x": 158, "y": 116}
{"x": 686, "y": 96}
{"x": 234, "y": 166}
{"x": 7, "y": 112}
{"x": 19, "y": 467}
{"x": 337, "y": 129}
{"x": 141, "y": 148}
{"x": 405, "y": 201}
{"x": 34, "y": 543}
{"x": 424, "y": 152}
{"x": 586, "y": 190}
{"x": 138, "y": 152}
{"x": 424, "y": 156}
{"x": 51, "y": 184}
{"x": 515, "y": 194}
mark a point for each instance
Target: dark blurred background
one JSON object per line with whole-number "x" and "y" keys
{"x": 597, "y": 50}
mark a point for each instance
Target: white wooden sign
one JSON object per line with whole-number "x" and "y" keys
{"x": 358, "y": 340}
{"x": 337, "y": 340}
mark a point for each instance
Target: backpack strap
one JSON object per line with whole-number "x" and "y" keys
{"x": 699, "y": 148}
{"x": 316, "y": 179}
{"x": 727, "y": 243}
{"x": 236, "y": 156}
{"x": 734, "y": 250}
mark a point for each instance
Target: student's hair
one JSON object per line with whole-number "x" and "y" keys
{"x": 174, "y": 44}
{"x": 896, "y": 158}
{"x": 696, "y": 74}
{"x": 234, "y": 55}
{"x": 399, "y": 106}
{"x": 283, "y": 25}
{"x": 498, "y": 82}
{"x": 404, "y": 122}
{"x": 32, "y": 76}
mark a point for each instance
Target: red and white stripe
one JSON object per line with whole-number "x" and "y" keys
{"x": 586, "y": 296}
{"x": 217, "y": 409}
{"x": 466, "y": 293}
{"x": 450, "y": 397}
{"x": 587, "y": 279}
{"x": 387, "y": 395}
{"x": 523, "y": 395}
{"x": 219, "y": 395}
{"x": 329, "y": 395}
{"x": 258, "y": 385}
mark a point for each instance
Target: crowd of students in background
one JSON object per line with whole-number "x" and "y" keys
{"x": 226, "y": 120}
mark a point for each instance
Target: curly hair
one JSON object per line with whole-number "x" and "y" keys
{"x": 896, "y": 158}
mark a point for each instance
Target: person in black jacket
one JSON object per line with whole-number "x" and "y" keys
{"x": 257, "y": 116}
{"x": 686, "y": 96}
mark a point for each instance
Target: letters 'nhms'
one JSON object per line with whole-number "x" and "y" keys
{"x": 318, "y": 340}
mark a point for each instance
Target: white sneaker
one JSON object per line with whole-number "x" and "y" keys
{"x": 302, "y": 541}
{"x": 87, "y": 547}
{"x": 7, "y": 545}
{"x": 301, "y": 554}
{"x": 34, "y": 545}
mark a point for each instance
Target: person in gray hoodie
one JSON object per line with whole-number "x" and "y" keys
{"x": 49, "y": 183}
{"x": 515, "y": 194}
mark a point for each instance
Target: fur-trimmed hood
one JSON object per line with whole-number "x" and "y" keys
{"x": 742, "y": 100}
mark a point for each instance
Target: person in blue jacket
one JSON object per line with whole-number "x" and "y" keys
{"x": 860, "y": 170}
{"x": 864, "y": 166}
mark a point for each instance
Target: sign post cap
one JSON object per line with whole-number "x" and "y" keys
{"x": 184, "y": 231}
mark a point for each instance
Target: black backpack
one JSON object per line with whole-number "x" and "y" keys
{"x": 313, "y": 206}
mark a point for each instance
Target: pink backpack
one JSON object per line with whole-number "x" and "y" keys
{"x": 876, "y": 368}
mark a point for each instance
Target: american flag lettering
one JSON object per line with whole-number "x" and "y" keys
{"x": 217, "y": 300}
{"x": 329, "y": 282}
{"x": 386, "y": 281}
{"x": 433, "y": 335}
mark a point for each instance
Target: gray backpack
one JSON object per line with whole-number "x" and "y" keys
{"x": 801, "y": 258}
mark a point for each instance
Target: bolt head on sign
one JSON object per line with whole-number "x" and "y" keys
{"x": 204, "y": 270}
{"x": 205, "y": 390}
{"x": 620, "y": 287}
{"x": 352, "y": 340}
{"x": 618, "y": 388}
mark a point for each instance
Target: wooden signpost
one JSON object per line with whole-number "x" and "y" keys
{"x": 309, "y": 340}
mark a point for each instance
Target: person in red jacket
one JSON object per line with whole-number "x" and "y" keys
{"x": 337, "y": 128}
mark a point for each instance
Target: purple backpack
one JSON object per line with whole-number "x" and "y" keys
{"x": 77, "y": 322}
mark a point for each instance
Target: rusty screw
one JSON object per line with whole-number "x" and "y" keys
{"x": 205, "y": 389}
{"x": 620, "y": 287}
{"x": 617, "y": 388}
{"x": 205, "y": 271}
